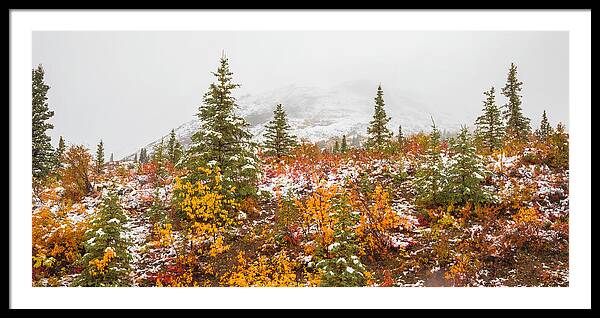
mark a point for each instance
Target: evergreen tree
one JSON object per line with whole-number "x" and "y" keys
{"x": 344, "y": 146}
{"x": 42, "y": 154}
{"x": 135, "y": 158}
{"x": 223, "y": 139}
{"x": 435, "y": 136}
{"x": 545, "y": 131}
{"x": 142, "y": 159}
{"x": 112, "y": 157}
{"x": 400, "y": 135}
{"x": 517, "y": 125}
{"x": 378, "y": 132}
{"x": 143, "y": 155}
{"x": 490, "y": 130}
{"x": 465, "y": 172}
{"x": 279, "y": 142}
{"x": 178, "y": 152}
{"x": 158, "y": 158}
{"x": 60, "y": 151}
{"x": 106, "y": 261}
{"x": 99, "y": 157}
{"x": 560, "y": 147}
{"x": 157, "y": 213}
{"x": 158, "y": 153}
{"x": 343, "y": 267}
{"x": 171, "y": 146}
{"x": 429, "y": 180}
{"x": 336, "y": 147}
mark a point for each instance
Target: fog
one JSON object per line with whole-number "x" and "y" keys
{"x": 128, "y": 88}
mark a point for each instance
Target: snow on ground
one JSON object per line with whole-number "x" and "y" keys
{"x": 549, "y": 195}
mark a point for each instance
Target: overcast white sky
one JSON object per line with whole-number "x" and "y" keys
{"x": 129, "y": 88}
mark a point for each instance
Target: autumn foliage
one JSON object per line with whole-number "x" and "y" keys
{"x": 318, "y": 219}
{"x": 75, "y": 173}
{"x": 377, "y": 221}
{"x": 57, "y": 239}
{"x": 275, "y": 271}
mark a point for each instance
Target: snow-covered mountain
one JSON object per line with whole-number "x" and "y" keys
{"x": 318, "y": 114}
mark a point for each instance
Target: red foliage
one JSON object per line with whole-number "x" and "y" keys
{"x": 149, "y": 169}
{"x": 294, "y": 235}
{"x": 388, "y": 281}
{"x": 422, "y": 220}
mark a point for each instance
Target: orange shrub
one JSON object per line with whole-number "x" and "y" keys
{"x": 527, "y": 228}
{"x": 249, "y": 205}
{"x": 57, "y": 241}
{"x": 377, "y": 220}
{"x": 463, "y": 270}
{"x": 75, "y": 172}
{"x": 519, "y": 194}
{"x": 317, "y": 212}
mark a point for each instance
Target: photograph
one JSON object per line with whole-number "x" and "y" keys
{"x": 300, "y": 159}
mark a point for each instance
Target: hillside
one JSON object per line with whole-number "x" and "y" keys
{"x": 318, "y": 114}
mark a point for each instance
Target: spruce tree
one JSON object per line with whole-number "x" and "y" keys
{"x": 344, "y": 146}
{"x": 517, "y": 125}
{"x": 545, "y": 131}
{"x": 143, "y": 155}
{"x": 42, "y": 154}
{"x": 178, "y": 152}
{"x": 435, "y": 138}
{"x": 378, "y": 132}
{"x": 400, "y": 135}
{"x": 157, "y": 213}
{"x": 279, "y": 141}
{"x": 560, "y": 147}
{"x": 336, "y": 147}
{"x": 223, "y": 139}
{"x": 60, "y": 151}
{"x": 171, "y": 146}
{"x": 343, "y": 267}
{"x": 490, "y": 129}
{"x": 158, "y": 153}
{"x": 158, "y": 158}
{"x": 135, "y": 158}
{"x": 106, "y": 261}
{"x": 99, "y": 157}
{"x": 465, "y": 172}
{"x": 112, "y": 157}
{"x": 429, "y": 180}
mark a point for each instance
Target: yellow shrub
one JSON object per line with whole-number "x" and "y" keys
{"x": 527, "y": 216}
{"x": 276, "y": 271}
{"x": 101, "y": 264}
{"x": 317, "y": 211}
{"x": 164, "y": 235}
{"x": 209, "y": 208}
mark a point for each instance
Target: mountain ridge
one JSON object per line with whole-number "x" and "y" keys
{"x": 318, "y": 114}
